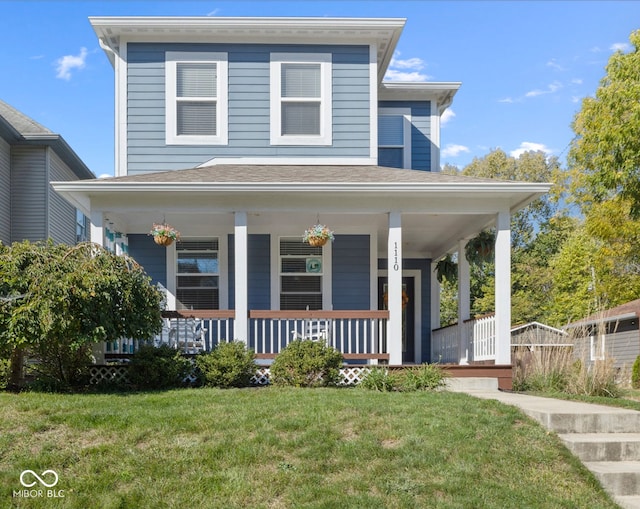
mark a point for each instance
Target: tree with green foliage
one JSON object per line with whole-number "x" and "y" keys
{"x": 605, "y": 154}
{"x": 57, "y": 301}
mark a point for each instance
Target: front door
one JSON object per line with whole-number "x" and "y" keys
{"x": 408, "y": 314}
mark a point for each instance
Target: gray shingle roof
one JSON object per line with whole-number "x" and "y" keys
{"x": 297, "y": 173}
{"x": 20, "y": 122}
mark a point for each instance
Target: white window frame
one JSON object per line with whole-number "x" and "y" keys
{"x": 177, "y": 273}
{"x": 172, "y": 59}
{"x": 406, "y": 132}
{"x": 326, "y": 104}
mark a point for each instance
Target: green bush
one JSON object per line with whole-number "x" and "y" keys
{"x": 379, "y": 379}
{"x": 427, "y": 377}
{"x": 4, "y": 373}
{"x": 158, "y": 368}
{"x": 227, "y": 365}
{"x": 307, "y": 363}
{"x": 635, "y": 374}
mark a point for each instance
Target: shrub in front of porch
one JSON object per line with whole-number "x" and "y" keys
{"x": 426, "y": 377}
{"x": 307, "y": 363}
{"x": 158, "y": 368}
{"x": 227, "y": 365}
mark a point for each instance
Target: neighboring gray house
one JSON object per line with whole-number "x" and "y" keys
{"x": 244, "y": 132}
{"x": 609, "y": 334}
{"x": 31, "y": 156}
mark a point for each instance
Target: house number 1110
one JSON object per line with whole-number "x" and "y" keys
{"x": 396, "y": 266}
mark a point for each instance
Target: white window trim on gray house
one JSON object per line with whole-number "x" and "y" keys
{"x": 325, "y": 135}
{"x": 220, "y": 99}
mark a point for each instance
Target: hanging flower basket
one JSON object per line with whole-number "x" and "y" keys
{"x": 480, "y": 249}
{"x": 318, "y": 235}
{"x": 164, "y": 234}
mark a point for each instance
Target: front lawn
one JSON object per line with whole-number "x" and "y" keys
{"x": 285, "y": 448}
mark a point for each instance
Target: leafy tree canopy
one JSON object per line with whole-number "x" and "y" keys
{"x": 605, "y": 154}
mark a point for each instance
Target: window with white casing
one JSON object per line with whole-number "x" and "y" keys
{"x": 197, "y": 274}
{"x": 196, "y": 98}
{"x": 394, "y": 137}
{"x": 301, "y": 273}
{"x": 301, "y": 104}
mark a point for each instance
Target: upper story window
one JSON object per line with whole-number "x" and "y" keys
{"x": 301, "y": 106}
{"x": 196, "y": 98}
{"x": 394, "y": 137}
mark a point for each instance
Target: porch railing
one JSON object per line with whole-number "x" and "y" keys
{"x": 473, "y": 340}
{"x": 192, "y": 331}
{"x": 357, "y": 334}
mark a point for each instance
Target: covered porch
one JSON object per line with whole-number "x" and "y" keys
{"x": 372, "y": 293}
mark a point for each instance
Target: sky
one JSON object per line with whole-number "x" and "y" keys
{"x": 524, "y": 66}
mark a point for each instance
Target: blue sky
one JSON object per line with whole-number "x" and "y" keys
{"x": 524, "y": 65}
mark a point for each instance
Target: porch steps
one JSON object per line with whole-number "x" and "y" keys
{"x": 464, "y": 384}
{"x": 605, "y": 439}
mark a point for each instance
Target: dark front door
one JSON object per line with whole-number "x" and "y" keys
{"x": 408, "y": 314}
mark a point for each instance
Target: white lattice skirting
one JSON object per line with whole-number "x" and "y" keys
{"x": 351, "y": 375}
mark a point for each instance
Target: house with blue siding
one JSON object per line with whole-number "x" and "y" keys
{"x": 30, "y": 157}
{"x": 242, "y": 133}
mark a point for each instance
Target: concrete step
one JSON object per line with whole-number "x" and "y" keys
{"x": 611, "y": 420}
{"x": 619, "y": 478}
{"x": 628, "y": 502}
{"x": 603, "y": 446}
{"x": 470, "y": 384}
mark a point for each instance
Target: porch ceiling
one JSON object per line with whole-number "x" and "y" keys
{"x": 437, "y": 209}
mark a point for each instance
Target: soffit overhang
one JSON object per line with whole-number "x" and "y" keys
{"x": 383, "y": 32}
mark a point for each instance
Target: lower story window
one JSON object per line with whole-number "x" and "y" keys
{"x": 197, "y": 274}
{"x": 300, "y": 275}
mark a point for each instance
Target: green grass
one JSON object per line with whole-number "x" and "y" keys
{"x": 286, "y": 448}
{"x": 629, "y": 398}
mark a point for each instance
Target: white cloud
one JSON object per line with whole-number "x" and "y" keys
{"x": 105, "y": 176}
{"x": 576, "y": 99}
{"x": 214, "y": 12}
{"x": 576, "y": 81}
{"x": 551, "y": 88}
{"x": 620, "y": 46}
{"x": 446, "y": 116}
{"x": 68, "y": 63}
{"x": 508, "y": 100}
{"x": 527, "y": 146}
{"x": 452, "y": 150}
{"x": 555, "y": 65}
{"x": 393, "y": 75}
{"x": 405, "y": 69}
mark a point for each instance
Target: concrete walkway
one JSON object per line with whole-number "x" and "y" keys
{"x": 606, "y": 439}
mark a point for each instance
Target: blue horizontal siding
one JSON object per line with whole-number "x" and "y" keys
{"x": 421, "y": 145}
{"x": 151, "y": 256}
{"x": 351, "y": 276}
{"x": 249, "y": 113}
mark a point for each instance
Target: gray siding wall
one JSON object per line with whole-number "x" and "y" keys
{"x": 248, "y": 106}
{"x": 29, "y": 186}
{"x": 623, "y": 347}
{"x": 421, "y": 145}
{"x": 5, "y": 192}
{"x": 152, "y": 257}
{"x": 62, "y": 215}
{"x": 259, "y": 271}
{"x": 351, "y": 282}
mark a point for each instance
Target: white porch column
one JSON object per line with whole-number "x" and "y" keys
{"x": 435, "y": 298}
{"x": 97, "y": 228}
{"x": 464, "y": 302}
{"x": 241, "y": 277}
{"x": 503, "y": 288}
{"x": 394, "y": 289}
